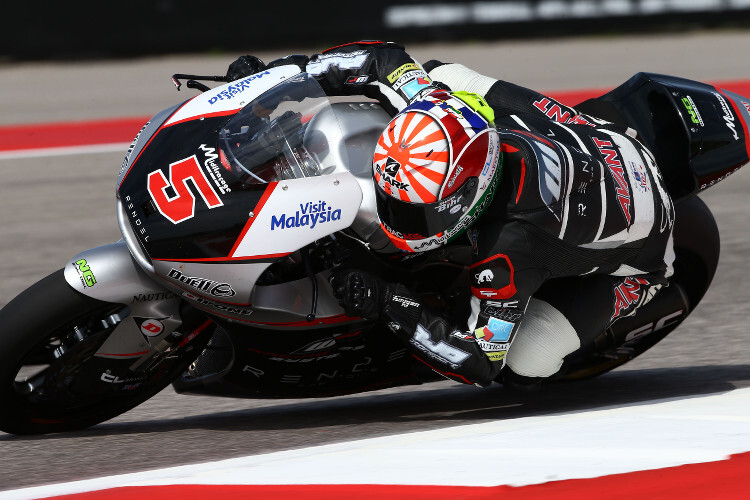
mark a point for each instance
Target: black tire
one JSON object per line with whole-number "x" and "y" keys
{"x": 54, "y": 331}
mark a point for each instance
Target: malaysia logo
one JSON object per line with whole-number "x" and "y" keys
{"x": 309, "y": 215}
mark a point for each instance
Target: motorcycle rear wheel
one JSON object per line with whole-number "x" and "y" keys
{"x": 50, "y": 380}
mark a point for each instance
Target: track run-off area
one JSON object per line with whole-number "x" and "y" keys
{"x": 672, "y": 423}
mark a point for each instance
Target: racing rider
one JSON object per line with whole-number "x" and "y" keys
{"x": 567, "y": 215}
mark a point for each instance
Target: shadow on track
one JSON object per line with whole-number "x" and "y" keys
{"x": 427, "y": 409}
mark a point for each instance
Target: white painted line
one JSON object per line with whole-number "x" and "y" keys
{"x": 514, "y": 452}
{"x": 65, "y": 151}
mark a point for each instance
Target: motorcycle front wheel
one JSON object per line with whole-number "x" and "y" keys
{"x": 50, "y": 378}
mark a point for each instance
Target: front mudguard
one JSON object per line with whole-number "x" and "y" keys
{"x": 153, "y": 315}
{"x": 109, "y": 273}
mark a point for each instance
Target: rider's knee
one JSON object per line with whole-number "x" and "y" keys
{"x": 544, "y": 339}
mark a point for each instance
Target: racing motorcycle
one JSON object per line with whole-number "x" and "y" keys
{"x": 235, "y": 205}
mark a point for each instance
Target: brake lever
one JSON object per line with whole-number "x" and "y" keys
{"x": 192, "y": 83}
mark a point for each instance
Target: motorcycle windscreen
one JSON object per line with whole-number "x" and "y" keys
{"x": 268, "y": 141}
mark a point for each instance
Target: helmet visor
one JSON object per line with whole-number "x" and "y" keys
{"x": 417, "y": 221}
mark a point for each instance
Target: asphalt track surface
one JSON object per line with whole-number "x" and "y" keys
{"x": 52, "y": 207}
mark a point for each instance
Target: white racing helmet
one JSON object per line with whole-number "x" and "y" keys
{"x": 436, "y": 167}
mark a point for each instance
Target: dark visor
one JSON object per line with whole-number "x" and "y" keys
{"x": 416, "y": 221}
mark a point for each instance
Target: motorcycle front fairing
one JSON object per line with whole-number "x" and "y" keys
{"x": 204, "y": 210}
{"x": 234, "y": 180}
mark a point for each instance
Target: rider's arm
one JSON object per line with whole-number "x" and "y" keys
{"x": 505, "y": 98}
{"x": 379, "y": 70}
{"x": 469, "y": 347}
{"x": 472, "y": 349}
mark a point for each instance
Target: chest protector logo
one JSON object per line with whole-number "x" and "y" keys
{"x": 485, "y": 276}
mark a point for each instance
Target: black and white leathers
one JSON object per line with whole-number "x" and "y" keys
{"x": 578, "y": 197}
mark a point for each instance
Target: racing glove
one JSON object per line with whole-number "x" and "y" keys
{"x": 379, "y": 70}
{"x": 360, "y": 294}
{"x": 244, "y": 66}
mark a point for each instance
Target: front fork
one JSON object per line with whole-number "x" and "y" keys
{"x": 149, "y": 326}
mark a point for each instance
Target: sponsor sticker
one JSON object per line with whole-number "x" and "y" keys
{"x": 85, "y": 273}
{"x": 622, "y": 189}
{"x": 486, "y": 276}
{"x": 388, "y": 173}
{"x": 202, "y": 284}
{"x": 512, "y": 315}
{"x": 150, "y": 327}
{"x": 450, "y": 202}
{"x": 414, "y": 87}
{"x": 500, "y": 330}
{"x": 640, "y": 180}
{"x": 235, "y": 88}
{"x": 692, "y": 110}
{"x": 412, "y": 82}
{"x": 497, "y": 331}
{"x": 440, "y": 351}
{"x": 468, "y": 337}
{"x": 148, "y": 297}
{"x": 728, "y": 115}
{"x": 240, "y": 311}
{"x": 405, "y": 302}
{"x": 401, "y": 70}
{"x": 128, "y": 154}
{"x": 554, "y": 110}
{"x": 627, "y": 294}
{"x": 309, "y": 215}
{"x": 454, "y": 176}
{"x": 496, "y": 356}
{"x": 357, "y": 80}
{"x": 408, "y": 77}
{"x": 214, "y": 170}
{"x": 110, "y": 378}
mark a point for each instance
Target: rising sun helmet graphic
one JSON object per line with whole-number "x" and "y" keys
{"x": 436, "y": 167}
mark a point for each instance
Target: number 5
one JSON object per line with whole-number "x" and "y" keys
{"x": 181, "y": 207}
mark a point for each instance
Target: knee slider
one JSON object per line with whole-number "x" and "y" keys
{"x": 544, "y": 338}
